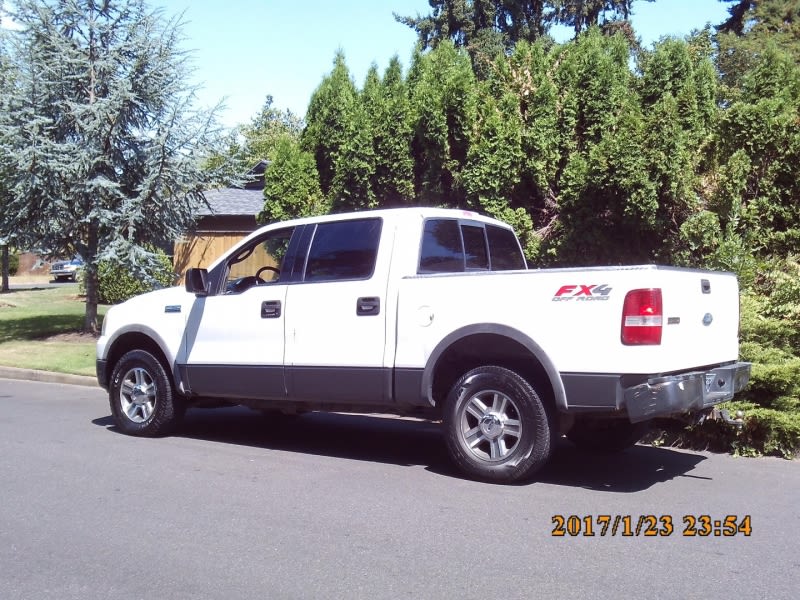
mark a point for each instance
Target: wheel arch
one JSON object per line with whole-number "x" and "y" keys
{"x": 140, "y": 339}
{"x": 496, "y": 344}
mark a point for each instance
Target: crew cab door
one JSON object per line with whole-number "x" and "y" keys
{"x": 336, "y": 315}
{"x": 235, "y": 337}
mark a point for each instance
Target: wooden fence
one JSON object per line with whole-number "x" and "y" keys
{"x": 202, "y": 250}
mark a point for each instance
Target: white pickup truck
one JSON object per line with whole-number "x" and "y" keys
{"x": 430, "y": 313}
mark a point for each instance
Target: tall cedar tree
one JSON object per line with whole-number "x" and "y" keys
{"x": 327, "y": 120}
{"x": 291, "y": 184}
{"x": 526, "y": 75}
{"x": 388, "y": 104}
{"x": 678, "y": 93}
{"x": 101, "y": 136}
{"x": 606, "y": 202}
{"x": 354, "y": 160}
{"x": 760, "y": 132}
{"x": 443, "y": 94}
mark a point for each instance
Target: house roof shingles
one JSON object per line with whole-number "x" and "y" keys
{"x": 233, "y": 201}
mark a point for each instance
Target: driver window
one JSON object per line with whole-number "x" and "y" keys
{"x": 259, "y": 262}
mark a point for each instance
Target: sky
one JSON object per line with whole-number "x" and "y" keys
{"x": 245, "y": 50}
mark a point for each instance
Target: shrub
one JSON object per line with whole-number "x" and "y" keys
{"x": 770, "y": 335}
{"x": 770, "y": 338}
{"x": 13, "y": 263}
{"x": 769, "y": 432}
{"x": 116, "y": 282}
{"x": 764, "y": 432}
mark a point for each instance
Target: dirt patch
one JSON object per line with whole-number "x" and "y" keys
{"x": 7, "y": 305}
{"x": 73, "y": 336}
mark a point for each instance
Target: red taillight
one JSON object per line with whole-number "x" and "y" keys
{"x": 642, "y": 318}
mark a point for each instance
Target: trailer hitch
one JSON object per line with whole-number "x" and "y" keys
{"x": 722, "y": 414}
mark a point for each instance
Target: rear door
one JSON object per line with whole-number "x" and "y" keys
{"x": 336, "y": 316}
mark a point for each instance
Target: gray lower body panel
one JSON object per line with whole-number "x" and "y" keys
{"x": 586, "y": 391}
{"x": 235, "y": 381}
{"x": 368, "y": 386}
{"x": 408, "y": 387}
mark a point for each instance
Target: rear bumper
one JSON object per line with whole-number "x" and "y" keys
{"x": 689, "y": 392}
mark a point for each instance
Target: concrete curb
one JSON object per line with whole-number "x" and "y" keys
{"x": 46, "y": 376}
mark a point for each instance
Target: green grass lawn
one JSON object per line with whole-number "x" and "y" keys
{"x": 40, "y": 329}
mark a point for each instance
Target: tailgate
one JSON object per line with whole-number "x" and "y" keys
{"x": 701, "y": 317}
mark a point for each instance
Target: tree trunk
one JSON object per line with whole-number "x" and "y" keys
{"x": 90, "y": 274}
{"x": 5, "y": 286}
{"x": 90, "y": 318}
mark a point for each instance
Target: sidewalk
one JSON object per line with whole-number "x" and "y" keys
{"x": 46, "y": 376}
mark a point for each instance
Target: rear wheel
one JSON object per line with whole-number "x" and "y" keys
{"x": 142, "y": 399}
{"x": 496, "y": 426}
{"x": 607, "y": 436}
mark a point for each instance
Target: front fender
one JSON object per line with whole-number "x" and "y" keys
{"x": 135, "y": 336}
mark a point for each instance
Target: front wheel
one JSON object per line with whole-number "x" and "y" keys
{"x": 142, "y": 398}
{"x": 496, "y": 426}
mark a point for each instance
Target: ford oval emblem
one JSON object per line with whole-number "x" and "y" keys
{"x": 707, "y": 318}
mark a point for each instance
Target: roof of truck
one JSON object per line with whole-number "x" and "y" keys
{"x": 399, "y": 213}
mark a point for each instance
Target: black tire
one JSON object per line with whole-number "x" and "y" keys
{"x": 606, "y": 436}
{"x": 496, "y": 426}
{"x": 143, "y": 401}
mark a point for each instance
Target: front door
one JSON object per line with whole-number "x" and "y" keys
{"x": 234, "y": 343}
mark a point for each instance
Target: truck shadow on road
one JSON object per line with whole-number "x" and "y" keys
{"x": 632, "y": 470}
{"x": 411, "y": 442}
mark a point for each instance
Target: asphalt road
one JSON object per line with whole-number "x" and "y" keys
{"x": 352, "y": 506}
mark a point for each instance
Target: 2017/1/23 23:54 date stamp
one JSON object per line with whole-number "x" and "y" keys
{"x": 650, "y": 525}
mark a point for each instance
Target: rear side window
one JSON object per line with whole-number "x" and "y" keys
{"x": 505, "y": 251}
{"x": 442, "y": 251}
{"x": 475, "y": 254}
{"x": 343, "y": 250}
{"x": 452, "y": 246}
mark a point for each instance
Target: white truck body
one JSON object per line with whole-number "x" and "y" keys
{"x": 387, "y": 317}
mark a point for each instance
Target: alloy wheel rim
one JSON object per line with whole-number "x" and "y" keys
{"x": 490, "y": 427}
{"x": 137, "y": 395}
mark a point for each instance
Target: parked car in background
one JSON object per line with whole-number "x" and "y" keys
{"x": 66, "y": 270}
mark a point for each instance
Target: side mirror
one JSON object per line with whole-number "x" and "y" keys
{"x": 197, "y": 282}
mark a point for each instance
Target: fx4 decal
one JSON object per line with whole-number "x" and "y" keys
{"x": 582, "y": 293}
